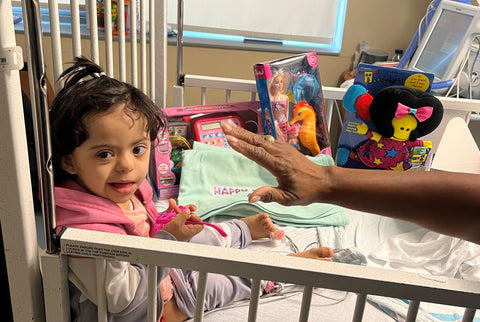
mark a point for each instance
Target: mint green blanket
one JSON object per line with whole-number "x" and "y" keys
{"x": 218, "y": 181}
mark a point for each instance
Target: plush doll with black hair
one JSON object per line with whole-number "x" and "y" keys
{"x": 400, "y": 116}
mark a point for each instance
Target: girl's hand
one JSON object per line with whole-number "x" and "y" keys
{"x": 179, "y": 229}
{"x": 172, "y": 206}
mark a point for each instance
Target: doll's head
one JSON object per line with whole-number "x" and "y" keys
{"x": 398, "y": 112}
{"x": 278, "y": 82}
{"x": 405, "y": 113}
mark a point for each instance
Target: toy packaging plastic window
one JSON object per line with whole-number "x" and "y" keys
{"x": 291, "y": 99}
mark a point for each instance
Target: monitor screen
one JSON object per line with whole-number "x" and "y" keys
{"x": 443, "y": 42}
{"x": 447, "y": 40}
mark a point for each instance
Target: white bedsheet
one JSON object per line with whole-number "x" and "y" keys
{"x": 385, "y": 242}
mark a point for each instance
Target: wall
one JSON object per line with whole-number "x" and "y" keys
{"x": 386, "y": 24}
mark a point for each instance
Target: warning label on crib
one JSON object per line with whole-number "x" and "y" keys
{"x": 89, "y": 251}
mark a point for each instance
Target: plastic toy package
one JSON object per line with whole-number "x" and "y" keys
{"x": 388, "y": 110}
{"x": 291, "y": 100}
{"x": 187, "y": 124}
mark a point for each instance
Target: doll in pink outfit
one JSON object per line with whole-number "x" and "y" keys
{"x": 278, "y": 83}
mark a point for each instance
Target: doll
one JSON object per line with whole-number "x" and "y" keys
{"x": 400, "y": 116}
{"x": 279, "y": 100}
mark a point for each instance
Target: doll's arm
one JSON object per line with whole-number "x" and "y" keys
{"x": 363, "y": 129}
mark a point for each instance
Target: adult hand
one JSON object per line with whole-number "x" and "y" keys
{"x": 300, "y": 181}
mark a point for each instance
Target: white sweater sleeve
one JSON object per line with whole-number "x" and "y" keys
{"x": 125, "y": 284}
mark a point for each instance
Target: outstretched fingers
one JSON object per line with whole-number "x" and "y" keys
{"x": 262, "y": 149}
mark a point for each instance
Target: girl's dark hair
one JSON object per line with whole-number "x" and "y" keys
{"x": 88, "y": 91}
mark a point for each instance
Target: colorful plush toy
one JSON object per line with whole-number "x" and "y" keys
{"x": 400, "y": 115}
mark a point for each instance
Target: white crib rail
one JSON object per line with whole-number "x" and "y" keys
{"x": 300, "y": 271}
{"x": 152, "y": 43}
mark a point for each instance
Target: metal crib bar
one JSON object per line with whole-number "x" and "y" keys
{"x": 329, "y": 112}
{"x": 241, "y": 85}
{"x": 56, "y": 41}
{"x": 107, "y": 10}
{"x": 412, "y": 311}
{"x": 121, "y": 39}
{"x": 180, "y": 7}
{"x": 359, "y": 307}
{"x": 152, "y": 50}
{"x": 201, "y": 291}
{"x": 92, "y": 18}
{"x": 306, "y": 302}
{"x": 38, "y": 94}
{"x": 469, "y": 315}
{"x": 101, "y": 265}
{"x": 143, "y": 46}
{"x": 160, "y": 36}
{"x": 203, "y": 99}
{"x": 227, "y": 95}
{"x": 152, "y": 293}
{"x": 76, "y": 36}
{"x": 255, "y": 292}
{"x": 133, "y": 44}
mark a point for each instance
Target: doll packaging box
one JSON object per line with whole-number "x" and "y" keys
{"x": 387, "y": 111}
{"x": 291, "y": 100}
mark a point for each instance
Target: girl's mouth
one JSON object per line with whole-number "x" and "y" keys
{"x": 122, "y": 187}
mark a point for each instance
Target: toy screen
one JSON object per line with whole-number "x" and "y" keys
{"x": 211, "y": 126}
{"x": 443, "y": 42}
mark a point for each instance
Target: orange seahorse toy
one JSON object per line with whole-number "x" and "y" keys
{"x": 307, "y": 134}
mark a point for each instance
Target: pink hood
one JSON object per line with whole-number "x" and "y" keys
{"x": 77, "y": 208}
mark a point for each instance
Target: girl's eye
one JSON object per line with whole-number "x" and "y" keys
{"x": 139, "y": 150}
{"x": 104, "y": 155}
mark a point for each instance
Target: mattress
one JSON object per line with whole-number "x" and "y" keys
{"x": 370, "y": 240}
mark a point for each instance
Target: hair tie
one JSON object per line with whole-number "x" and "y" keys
{"x": 98, "y": 75}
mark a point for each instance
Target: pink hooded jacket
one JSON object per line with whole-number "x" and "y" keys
{"x": 77, "y": 208}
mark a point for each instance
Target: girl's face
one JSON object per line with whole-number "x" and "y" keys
{"x": 113, "y": 161}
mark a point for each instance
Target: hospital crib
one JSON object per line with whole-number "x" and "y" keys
{"x": 40, "y": 292}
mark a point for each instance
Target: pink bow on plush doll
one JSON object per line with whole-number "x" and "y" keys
{"x": 421, "y": 113}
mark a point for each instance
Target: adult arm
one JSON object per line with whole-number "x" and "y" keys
{"x": 445, "y": 202}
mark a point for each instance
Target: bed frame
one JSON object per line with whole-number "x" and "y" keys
{"x": 28, "y": 280}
